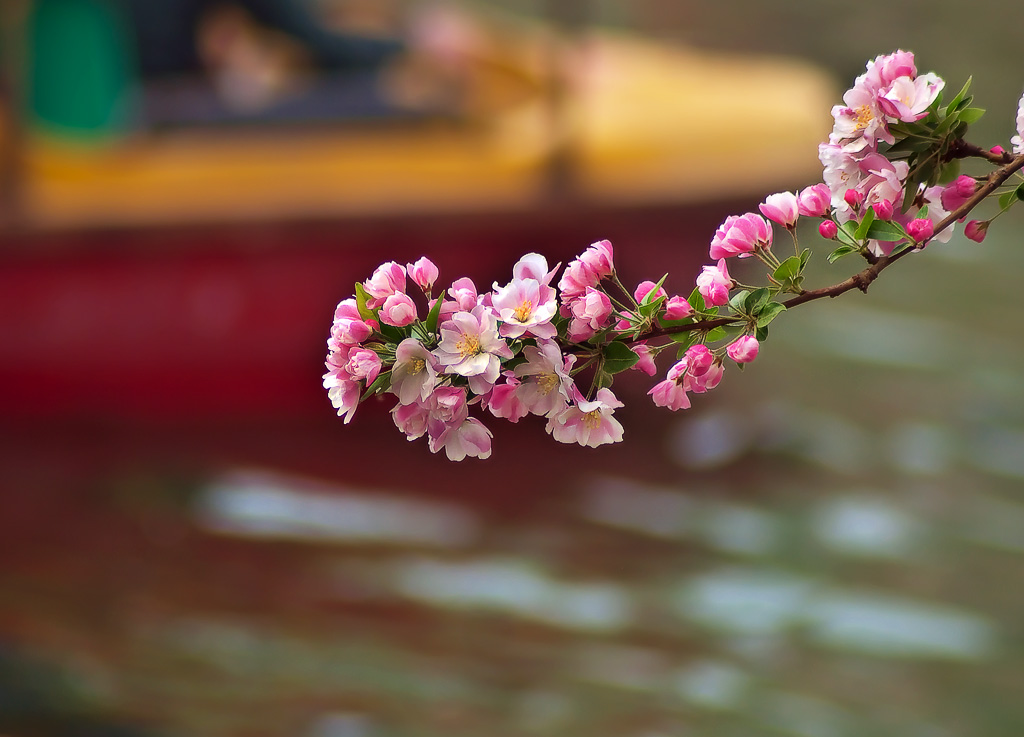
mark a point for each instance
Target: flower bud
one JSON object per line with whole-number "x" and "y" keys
{"x": 828, "y": 229}
{"x": 920, "y": 229}
{"x": 997, "y": 150}
{"x": 976, "y": 230}
{"x": 781, "y": 208}
{"x": 883, "y": 210}
{"x": 677, "y": 308}
{"x": 744, "y": 349}
{"x": 853, "y": 198}
{"x": 424, "y": 273}
{"x": 814, "y": 201}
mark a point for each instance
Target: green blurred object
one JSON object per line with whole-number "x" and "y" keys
{"x": 81, "y": 74}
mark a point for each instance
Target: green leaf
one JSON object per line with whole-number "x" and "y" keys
{"x": 381, "y": 384}
{"x": 603, "y": 380}
{"x": 434, "y": 315}
{"x": 1008, "y": 198}
{"x": 684, "y": 339}
{"x": 736, "y": 302}
{"x": 650, "y": 296}
{"x": 949, "y": 171}
{"x": 865, "y": 223}
{"x": 840, "y": 252}
{"x": 618, "y": 357}
{"x": 696, "y": 301}
{"x": 395, "y": 335}
{"x": 761, "y": 333}
{"x": 882, "y": 230}
{"x": 970, "y": 114}
{"x": 714, "y": 334}
{"x": 804, "y": 258}
{"x": 960, "y": 95}
{"x": 769, "y": 313}
{"x": 361, "y": 297}
{"x": 789, "y": 268}
{"x": 758, "y": 299}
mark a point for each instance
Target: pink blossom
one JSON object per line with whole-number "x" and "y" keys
{"x": 646, "y": 356}
{"x": 828, "y": 229}
{"x": 525, "y": 306}
{"x": 424, "y": 273}
{"x": 387, "y": 279}
{"x": 470, "y": 346}
{"x": 957, "y": 192}
{"x": 883, "y": 209}
{"x": 589, "y": 423}
{"x": 714, "y": 284}
{"x": 744, "y": 349}
{"x": 644, "y": 288}
{"x": 740, "y": 235}
{"x": 782, "y": 208}
{"x": 814, "y": 201}
{"x": 841, "y": 171}
{"x": 534, "y": 266}
{"x": 593, "y": 309}
{"x": 599, "y": 259}
{"x": 363, "y": 364}
{"x": 344, "y": 396}
{"x": 703, "y": 372}
{"x": 998, "y": 150}
{"x": 671, "y": 393}
{"x": 470, "y": 439}
{"x": 908, "y": 99}
{"x": 504, "y": 400}
{"x": 854, "y": 198}
{"x": 546, "y": 386}
{"x": 883, "y": 70}
{"x": 411, "y": 419}
{"x": 920, "y": 229}
{"x": 463, "y": 292}
{"x": 976, "y": 230}
{"x": 414, "y": 374}
{"x": 588, "y": 270}
{"x": 398, "y": 310}
{"x": 677, "y": 308}
{"x": 348, "y": 327}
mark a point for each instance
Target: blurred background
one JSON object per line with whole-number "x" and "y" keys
{"x": 191, "y": 543}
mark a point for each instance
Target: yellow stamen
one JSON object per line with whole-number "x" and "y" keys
{"x": 863, "y": 116}
{"x": 592, "y": 420}
{"x": 468, "y": 345}
{"x": 523, "y": 311}
{"x": 547, "y": 382}
{"x": 416, "y": 365}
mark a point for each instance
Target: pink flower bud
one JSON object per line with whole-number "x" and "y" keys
{"x": 957, "y": 192}
{"x": 424, "y": 273}
{"x": 646, "y": 356}
{"x": 814, "y": 201}
{"x": 828, "y": 229}
{"x": 976, "y": 230}
{"x": 677, "y": 308}
{"x": 398, "y": 310}
{"x": 883, "y": 210}
{"x": 781, "y": 208}
{"x": 644, "y": 288}
{"x": 714, "y": 284}
{"x": 997, "y": 150}
{"x": 920, "y": 229}
{"x": 744, "y": 349}
{"x": 853, "y": 198}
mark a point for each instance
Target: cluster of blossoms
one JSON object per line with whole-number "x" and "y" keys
{"x": 890, "y": 184}
{"x": 497, "y": 349}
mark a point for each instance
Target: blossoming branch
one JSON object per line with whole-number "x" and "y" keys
{"x": 891, "y": 184}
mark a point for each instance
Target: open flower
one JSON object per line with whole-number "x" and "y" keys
{"x": 588, "y": 423}
{"x": 546, "y": 385}
{"x": 525, "y": 306}
{"x": 1018, "y": 140}
{"x": 714, "y": 284}
{"x": 470, "y": 346}
{"x": 414, "y": 374}
{"x": 387, "y": 279}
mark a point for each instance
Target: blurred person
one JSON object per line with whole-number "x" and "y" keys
{"x": 277, "y": 59}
